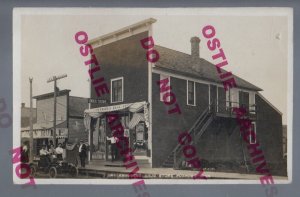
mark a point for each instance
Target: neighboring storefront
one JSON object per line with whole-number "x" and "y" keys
{"x": 69, "y": 120}
{"x": 44, "y": 136}
{"x": 135, "y": 120}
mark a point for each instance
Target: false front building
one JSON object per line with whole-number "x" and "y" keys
{"x": 152, "y": 132}
{"x": 69, "y": 120}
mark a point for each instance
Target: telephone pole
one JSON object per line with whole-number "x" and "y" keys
{"x": 31, "y": 124}
{"x": 55, "y": 78}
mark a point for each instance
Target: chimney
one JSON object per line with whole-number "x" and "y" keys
{"x": 195, "y": 47}
{"x": 23, "y": 105}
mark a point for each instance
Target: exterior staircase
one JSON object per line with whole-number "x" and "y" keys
{"x": 176, "y": 157}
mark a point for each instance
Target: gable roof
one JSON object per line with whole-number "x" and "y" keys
{"x": 46, "y": 125}
{"x": 182, "y": 63}
{"x": 124, "y": 32}
{"x": 51, "y": 94}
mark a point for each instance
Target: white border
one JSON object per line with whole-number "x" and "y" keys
{"x": 237, "y": 11}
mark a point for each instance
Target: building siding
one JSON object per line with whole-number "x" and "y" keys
{"x": 124, "y": 58}
{"x": 166, "y": 127}
{"x": 45, "y": 109}
{"x": 269, "y": 134}
{"x": 221, "y": 144}
{"x": 25, "y": 116}
{"x": 77, "y": 130}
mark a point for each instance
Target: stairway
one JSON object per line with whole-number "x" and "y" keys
{"x": 196, "y": 131}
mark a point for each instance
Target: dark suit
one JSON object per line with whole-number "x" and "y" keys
{"x": 83, "y": 155}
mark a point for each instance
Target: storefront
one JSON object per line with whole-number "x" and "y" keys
{"x": 44, "y": 137}
{"x": 135, "y": 120}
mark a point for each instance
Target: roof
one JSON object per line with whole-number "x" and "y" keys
{"x": 46, "y": 125}
{"x": 122, "y": 30}
{"x": 182, "y": 63}
{"x": 50, "y": 95}
{"x": 77, "y": 105}
{"x": 266, "y": 100}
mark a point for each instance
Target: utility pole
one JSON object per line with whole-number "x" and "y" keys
{"x": 31, "y": 125}
{"x": 55, "y": 78}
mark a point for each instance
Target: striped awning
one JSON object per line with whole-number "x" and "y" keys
{"x": 137, "y": 117}
{"x": 132, "y": 107}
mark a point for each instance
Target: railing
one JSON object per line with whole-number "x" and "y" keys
{"x": 214, "y": 109}
{"x": 226, "y": 108}
{"x": 195, "y": 132}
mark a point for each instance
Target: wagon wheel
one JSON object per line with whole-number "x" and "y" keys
{"x": 52, "y": 172}
{"x": 32, "y": 170}
{"x": 73, "y": 171}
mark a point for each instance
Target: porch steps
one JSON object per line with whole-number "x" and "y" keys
{"x": 196, "y": 131}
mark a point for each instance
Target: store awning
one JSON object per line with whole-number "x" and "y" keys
{"x": 137, "y": 117}
{"x": 97, "y": 112}
{"x": 46, "y": 125}
{"x": 46, "y": 133}
{"x": 132, "y": 107}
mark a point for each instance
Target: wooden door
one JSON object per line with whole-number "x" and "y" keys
{"x": 244, "y": 99}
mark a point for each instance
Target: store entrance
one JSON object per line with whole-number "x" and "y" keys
{"x": 98, "y": 148}
{"x": 135, "y": 130}
{"x": 139, "y": 139}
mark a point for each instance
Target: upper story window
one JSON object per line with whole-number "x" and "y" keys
{"x": 117, "y": 90}
{"x": 167, "y": 83}
{"x": 252, "y": 107}
{"x": 191, "y": 93}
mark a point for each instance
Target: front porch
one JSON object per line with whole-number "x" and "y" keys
{"x": 104, "y": 170}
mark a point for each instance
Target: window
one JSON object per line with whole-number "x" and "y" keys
{"x": 117, "y": 90}
{"x": 234, "y": 97}
{"x": 166, "y": 84}
{"x": 253, "y": 128}
{"x": 252, "y": 102}
{"x": 191, "y": 93}
{"x": 244, "y": 99}
{"x": 227, "y": 98}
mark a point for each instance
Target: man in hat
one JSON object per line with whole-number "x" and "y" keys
{"x": 82, "y": 153}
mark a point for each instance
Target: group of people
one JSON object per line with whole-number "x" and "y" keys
{"x": 48, "y": 154}
{"x": 58, "y": 151}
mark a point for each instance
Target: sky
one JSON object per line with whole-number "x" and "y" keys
{"x": 255, "y": 44}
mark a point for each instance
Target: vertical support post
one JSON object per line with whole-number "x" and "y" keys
{"x": 54, "y": 115}
{"x": 175, "y": 163}
{"x": 31, "y": 125}
{"x": 55, "y": 78}
{"x": 89, "y": 129}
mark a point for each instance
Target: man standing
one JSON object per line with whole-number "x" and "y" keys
{"x": 113, "y": 150}
{"x": 24, "y": 154}
{"x": 82, "y": 153}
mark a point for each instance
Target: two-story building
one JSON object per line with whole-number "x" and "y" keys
{"x": 152, "y": 132}
{"x": 69, "y": 119}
